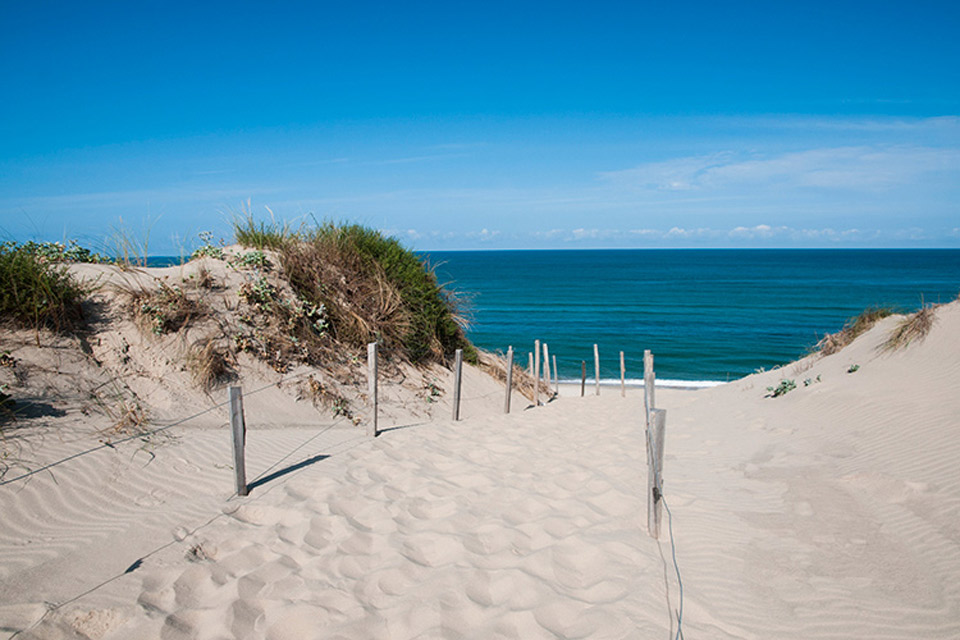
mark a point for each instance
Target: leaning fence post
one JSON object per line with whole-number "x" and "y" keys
{"x": 583, "y": 376}
{"x": 623, "y": 374}
{"x": 506, "y": 400}
{"x": 546, "y": 365}
{"x": 655, "y": 436}
{"x": 596, "y": 366}
{"x": 238, "y": 429}
{"x": 373, "y": 429}
{"x": 458, "y": 369}
{"x": 556, "y": 378}
{"x": 649, "y": 383}
{"x": 536, "y": 373}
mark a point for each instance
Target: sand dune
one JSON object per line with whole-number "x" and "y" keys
{"x": 830, "y": 512}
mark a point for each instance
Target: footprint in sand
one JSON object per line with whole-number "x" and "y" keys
{"x": 430, "y": 550}
{"x": 196, "y": 588}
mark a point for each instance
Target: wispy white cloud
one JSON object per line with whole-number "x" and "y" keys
{"x": 859, "y": 168}
{"x": 938, "y": 124}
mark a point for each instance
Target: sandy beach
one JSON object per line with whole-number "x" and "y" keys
{"x": 829, "y": 512}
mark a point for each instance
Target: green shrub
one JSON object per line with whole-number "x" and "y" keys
{"x": 166, "y": 309}
{"x": 59, "y": 252}
{"x": 785, "y": 387}
{"x": 207, "y": 249}
{"x": 375, "y": 289}
{"x": 37, "y": 292}
{"x": 255, "y": 259}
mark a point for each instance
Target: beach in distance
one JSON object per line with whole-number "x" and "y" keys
{"x": 708, "y": 314}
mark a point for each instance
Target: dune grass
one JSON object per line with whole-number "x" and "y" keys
{"x": 127, "y": 247}
{"x": 370, "y": 287}
{"x": 373, "y": 288}
{"x": 854, "y": 327}
{"x": 261, "y": 235}
{"x": 37, "y": 292}
{"x": 914, "y": 327}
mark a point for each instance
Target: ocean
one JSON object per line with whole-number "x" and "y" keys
{"x": 708, "y": 315}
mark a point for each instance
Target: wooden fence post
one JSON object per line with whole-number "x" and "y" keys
{"x": 649, "y": 383}
{"x": 373, "y": 429}
{"x": 623, "y": 374}
{"x": 530, "y": 365}
{"x": 596, "y": 366}
{"x": 536, "y": 373}
{"x": 238, "y": 429}
{"x": 556, "y": 377}
{"x": 546, "y": 364}
{"x": 458, "y": 368}
{"x": 506, "y": 400}
{"x": 655, "y": 436}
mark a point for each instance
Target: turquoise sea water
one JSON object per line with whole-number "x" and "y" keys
{"x": 708, "y": 315}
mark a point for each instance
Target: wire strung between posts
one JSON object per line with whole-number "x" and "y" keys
{"x": 111, "y": 445}
{"x": 301, "y": 446}
{"x": 673, "y": 544}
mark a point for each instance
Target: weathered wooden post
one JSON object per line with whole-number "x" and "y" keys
{"x": 583, "y": 377}
{"x": 458, "y": 376}
{"x": 649, "y": 383}
{"x": 623, "y": 374}
{"x": 506, "y": 400}
{"x": 655, "y": 436}
{"x": 556, "y": 378}
{"x": 596, "y": 366}
{"x": 373, "y": 429}
{"x": 536, "y": 373}
{"x": 530, "y": 365}
{"x": 238, "y": 429}
{"x": 546, "y": 365}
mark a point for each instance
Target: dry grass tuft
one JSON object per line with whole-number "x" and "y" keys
{"x": 211, "y": 364}
{"x": 914, "y": 327}
{"x": 201, "y": 280}
{"x": 165, "y": 309}
{"x": 834, "y": 342}
{"x": 122, "y": 406}
{"x": 329, "y": 398}
{"x": 361, "y": 304}
{"x": 495, "y": 365}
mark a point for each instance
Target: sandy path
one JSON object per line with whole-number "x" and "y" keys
{"x": 830, "y": 512}
{"x": 495, "y": 527}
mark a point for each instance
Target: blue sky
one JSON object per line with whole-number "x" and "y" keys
{"x": 488, "y": 125}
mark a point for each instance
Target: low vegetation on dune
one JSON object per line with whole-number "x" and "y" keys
{"x": 854, "y": 327}
{"x": 369, "y": 287}
{"x": 313, "y": 296}
{"x": 914, "y": 327}
{"x": 38, "y": 290}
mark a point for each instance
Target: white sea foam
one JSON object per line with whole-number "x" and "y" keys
{"x": 638, "y": 383}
